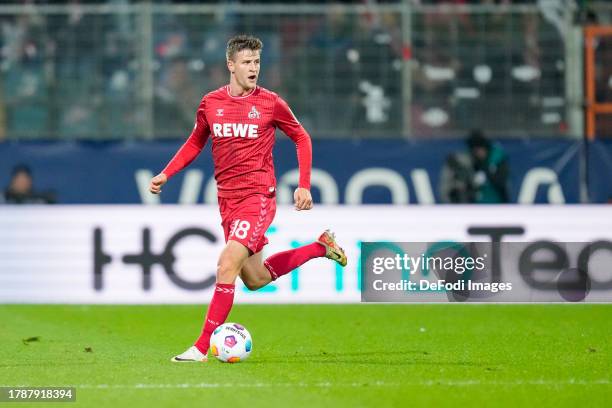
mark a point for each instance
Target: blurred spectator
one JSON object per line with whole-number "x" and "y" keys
{"x": 21, "y": 189}
{"x": 174, "y": 99}
{"x": 375, "y": 64}
{"x": 24, "y": 81}
{"x": 326, "y": 65}
{"x": 479, "y": 175}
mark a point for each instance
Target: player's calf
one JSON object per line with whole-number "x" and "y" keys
{"x": 254, "y": 274}
{"x": 255, "y": 282}
{"x": 230, "y": 262}
{"x": 284, "y": 262}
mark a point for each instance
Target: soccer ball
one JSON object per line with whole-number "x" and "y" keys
{"x": 231, "y": 343}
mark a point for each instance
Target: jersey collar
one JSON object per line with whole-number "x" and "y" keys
{"x": 227, "y": 89}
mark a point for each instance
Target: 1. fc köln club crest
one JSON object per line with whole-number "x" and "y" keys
{"x": 253, "y": 114}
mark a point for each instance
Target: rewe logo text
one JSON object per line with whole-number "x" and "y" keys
{"x": 235, "y": 130}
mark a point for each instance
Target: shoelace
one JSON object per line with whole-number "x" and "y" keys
{"x": 333, "y": 235}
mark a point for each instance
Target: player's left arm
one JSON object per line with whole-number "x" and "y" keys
{"x": 286, "y": 121}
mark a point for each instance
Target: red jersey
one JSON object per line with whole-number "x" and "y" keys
{"x": 242, "y": 129}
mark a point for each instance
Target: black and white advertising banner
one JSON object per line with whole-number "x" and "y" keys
{"x": 168, "y": 254}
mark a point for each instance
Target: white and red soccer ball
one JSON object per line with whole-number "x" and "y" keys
{"x": 231, "y": 343}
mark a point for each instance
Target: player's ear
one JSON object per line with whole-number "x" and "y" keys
{"x": 230, "y": 65}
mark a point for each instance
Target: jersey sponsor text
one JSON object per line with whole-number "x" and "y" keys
{"x": 247, "y": 130}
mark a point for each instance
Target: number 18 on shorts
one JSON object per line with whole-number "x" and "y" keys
{"x": 246, "y": 220}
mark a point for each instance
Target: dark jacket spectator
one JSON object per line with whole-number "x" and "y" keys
{"x": 21, "y": 191}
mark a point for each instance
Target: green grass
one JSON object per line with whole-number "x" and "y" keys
{"x": 357, "y": 355}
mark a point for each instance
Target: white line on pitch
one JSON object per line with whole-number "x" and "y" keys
{"x": 424, "y": 383}
{"x": 452, "y": 383}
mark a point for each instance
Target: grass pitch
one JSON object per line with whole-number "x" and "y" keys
{"x": 357, "y": 355}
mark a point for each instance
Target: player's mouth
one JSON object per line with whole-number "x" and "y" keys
{"x": 252, "y": 77}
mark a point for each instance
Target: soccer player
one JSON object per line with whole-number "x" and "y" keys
{"x": 241, "y": 119}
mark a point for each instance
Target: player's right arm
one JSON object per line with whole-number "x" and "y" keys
{"x": 187, "y": 153}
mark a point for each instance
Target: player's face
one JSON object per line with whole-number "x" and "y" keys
{"x": 245, "y": 68}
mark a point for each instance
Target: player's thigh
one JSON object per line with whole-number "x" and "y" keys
{"x": 254, "y": 274}
{"x": 231, "y": 261}
{"x": 249, "y": 220}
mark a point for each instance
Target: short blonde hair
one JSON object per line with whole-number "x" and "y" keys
{"x": 242, "y": 42}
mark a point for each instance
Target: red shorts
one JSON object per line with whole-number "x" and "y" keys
{"x": 246, "y": 220}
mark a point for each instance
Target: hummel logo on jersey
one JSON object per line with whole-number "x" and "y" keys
{"x": 219, "y": 112}
{"x": 253, "y": 114}
{"x": 235, "y": 130}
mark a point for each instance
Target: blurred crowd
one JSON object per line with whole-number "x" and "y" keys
{"x": 88, "y": 75}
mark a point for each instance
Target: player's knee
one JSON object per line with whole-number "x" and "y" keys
{"x": 227, "y": 271}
